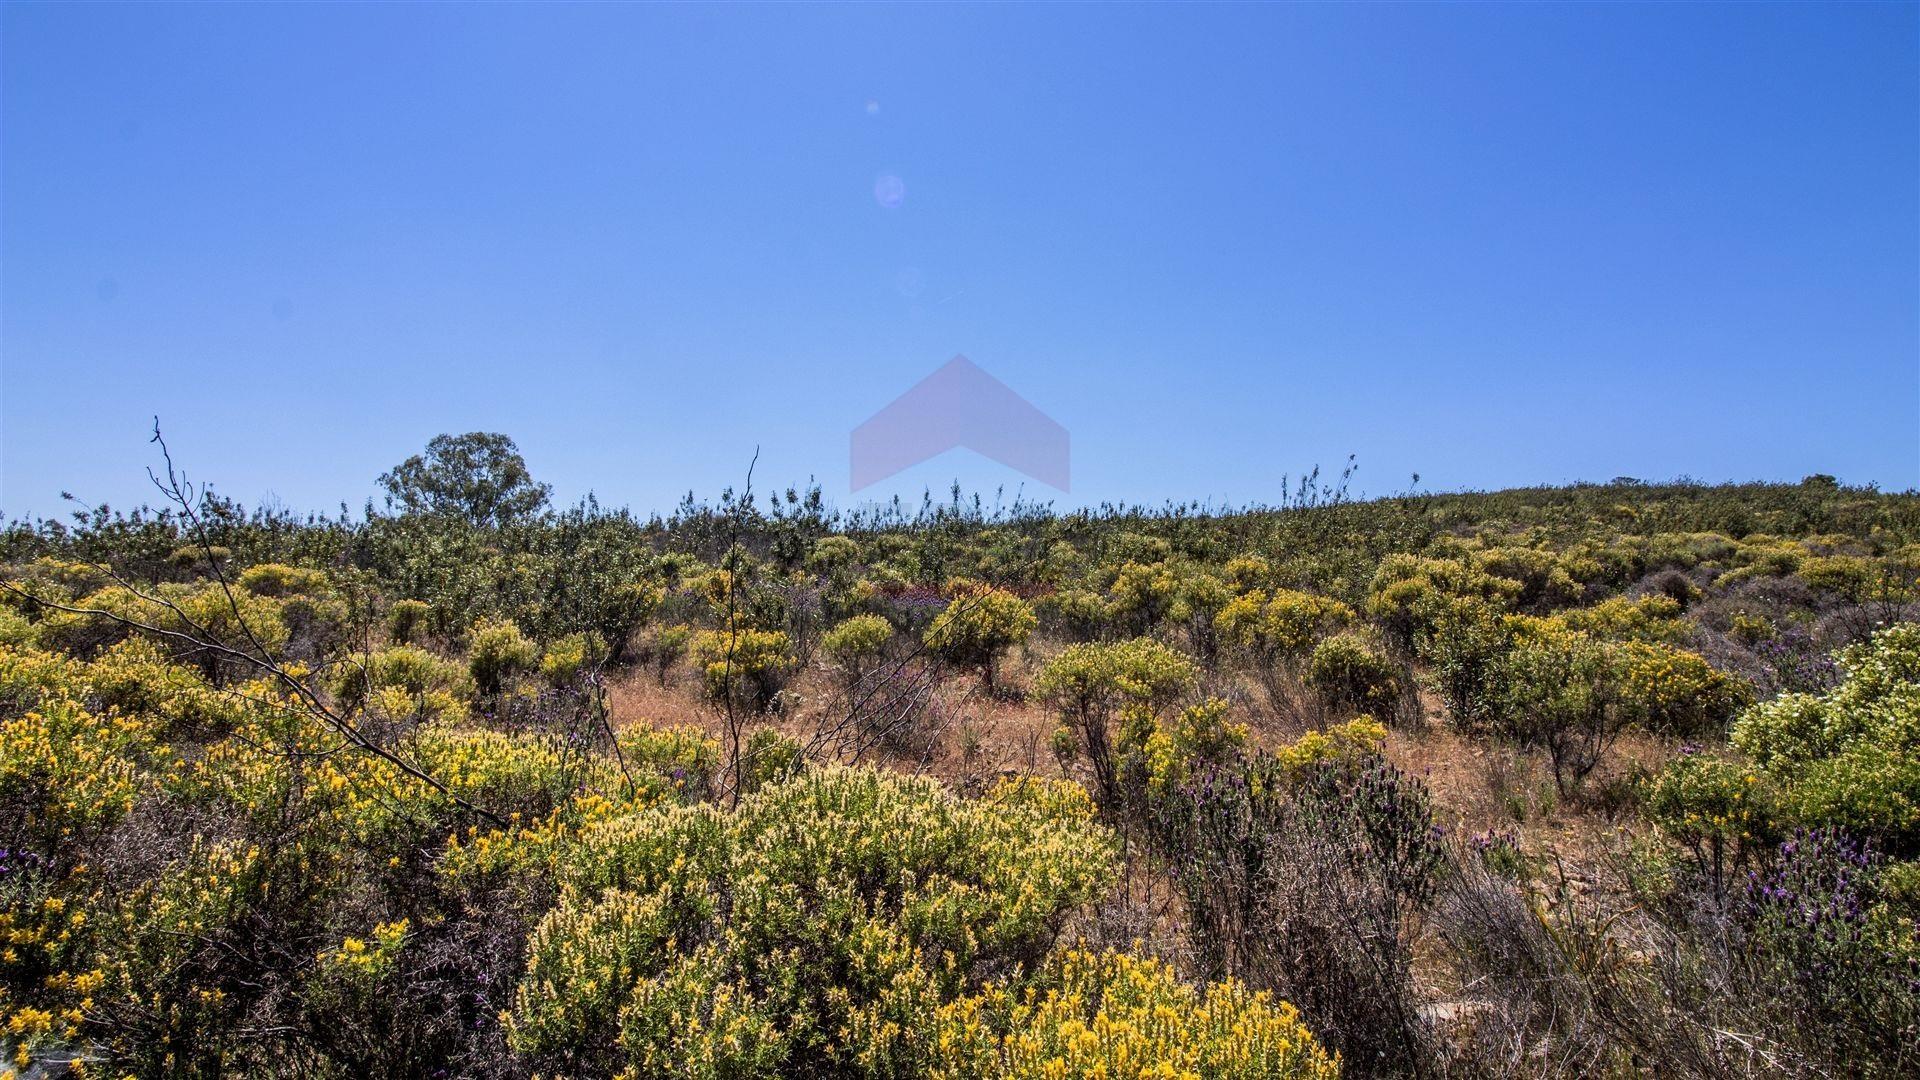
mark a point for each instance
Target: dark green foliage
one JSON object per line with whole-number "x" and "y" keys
{"x": 478, "y": 477}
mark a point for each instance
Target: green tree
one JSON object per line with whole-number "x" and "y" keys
{"x": 479, "y": 477}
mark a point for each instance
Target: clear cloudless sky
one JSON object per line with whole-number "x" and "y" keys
{"x": 1492, "y": 244}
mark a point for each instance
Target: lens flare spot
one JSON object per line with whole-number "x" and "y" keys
{"x": 889, "y": 191}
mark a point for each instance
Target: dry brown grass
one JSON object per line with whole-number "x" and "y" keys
{"x": 1478, "y": 786}
{"x": 985, "y": 736}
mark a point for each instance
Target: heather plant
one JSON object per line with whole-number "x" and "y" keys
{"x": 1300, "y": 873}
{"x": 1839, "y": 959}
{"x": 1794, "y": 663}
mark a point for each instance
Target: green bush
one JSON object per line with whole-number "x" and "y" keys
{"x": 663, "y": 647}
{"x": 498, "y": 653}
{"x": 1720, "y": 809}
{"x": 1560, "y": 690}
{"x": 407, "y": 621}
{"x": 1349, "y": 674}
{"x": 855, "y": 644}
{"x": 279, "y": 580}
{"x": 1849, "y": 758}
{"x": 1092, "y": 687}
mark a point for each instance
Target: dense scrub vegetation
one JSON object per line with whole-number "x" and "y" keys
{"x": 351, "y": 796}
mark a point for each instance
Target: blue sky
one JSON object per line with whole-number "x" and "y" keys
{"x": 1492, "y": 244}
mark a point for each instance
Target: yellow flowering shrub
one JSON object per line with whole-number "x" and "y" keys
{"x": 1081, "y": 613}
{"x": 235, "y": 617}
{"x": 279, "y": 579}
{"x": 1248, "y": 572}
{"x": 1348, "y": 672}
{"x": 1122, "y": 1017}
{"x": 1763, "y": 556}
{"x": 403, "y": 680}
{"x": 1357, "y": 739}
{"x": 1189, "y": 739}
{"x": 855, "y": 646}
{"x": 290, "y": 839}
{"x": 1717, "y": 807}
{"x": 822, "y": 919}
{"x": 1542, "y": 578}
{"x": 743, "y": 664}
{"x": 1673, "y": 691}
{"x": 365, "y": 960}
{"x": 1409, "y": 592}
{"x": 1654, "y": 618}
{"x": 1285, "y": 624}
{"x": 569, "y": 658}
{"x": 499, "y": 652}
{"x": 68, "y": 762}
{"x": 1108, "y": 696}
{"x": 1141, "y": 595}
{"x": 407, "y": 621}
{"x": 978, "y": 624}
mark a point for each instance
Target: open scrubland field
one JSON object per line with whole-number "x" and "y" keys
{"x": 1605, "y": 780}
